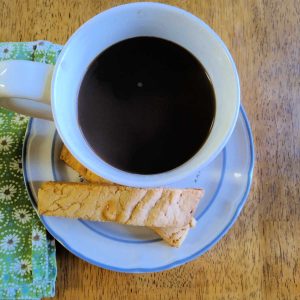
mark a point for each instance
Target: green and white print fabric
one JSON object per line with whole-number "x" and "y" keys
{"x": 27, "y": 254}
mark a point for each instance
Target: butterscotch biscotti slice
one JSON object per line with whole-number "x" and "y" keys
{"x": 125, "y": 205}
{"x": 70, "y": 160}
{"x": 174, "y": 236}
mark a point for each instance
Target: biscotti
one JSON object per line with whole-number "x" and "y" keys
{"x": 174, "y": 236}
{"x": 88, "y": 175}
{"x": 125, "y": 205}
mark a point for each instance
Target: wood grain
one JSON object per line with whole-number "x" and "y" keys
{"x": 259, "y": 257}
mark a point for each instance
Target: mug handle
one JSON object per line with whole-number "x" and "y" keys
{"x": 25, "y": 87}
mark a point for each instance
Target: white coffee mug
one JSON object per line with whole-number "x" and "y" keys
{"x": 31, "y": 87}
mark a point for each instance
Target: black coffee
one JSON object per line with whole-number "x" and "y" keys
{"x": 146, "y": 105}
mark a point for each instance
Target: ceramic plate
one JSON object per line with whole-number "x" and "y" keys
{"x": 132, "y": 249}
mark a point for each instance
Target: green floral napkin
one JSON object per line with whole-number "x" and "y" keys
{"x": 27, "y": 254}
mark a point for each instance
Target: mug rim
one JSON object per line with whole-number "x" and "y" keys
{"x": 180, "y": 171}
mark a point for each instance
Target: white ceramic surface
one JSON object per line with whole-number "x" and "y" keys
{"x": 226, "y": 180}
{"x": 107, "y": 28}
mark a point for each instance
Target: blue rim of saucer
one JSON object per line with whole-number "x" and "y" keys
{"x": 161, "y": 268}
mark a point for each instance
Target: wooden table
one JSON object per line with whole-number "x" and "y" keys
{"x": 259, "y": 257}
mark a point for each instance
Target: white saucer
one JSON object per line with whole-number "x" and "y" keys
{"x": 226, "y": 181}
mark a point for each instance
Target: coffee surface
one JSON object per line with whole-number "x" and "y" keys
{"x": 146, "y": 105}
